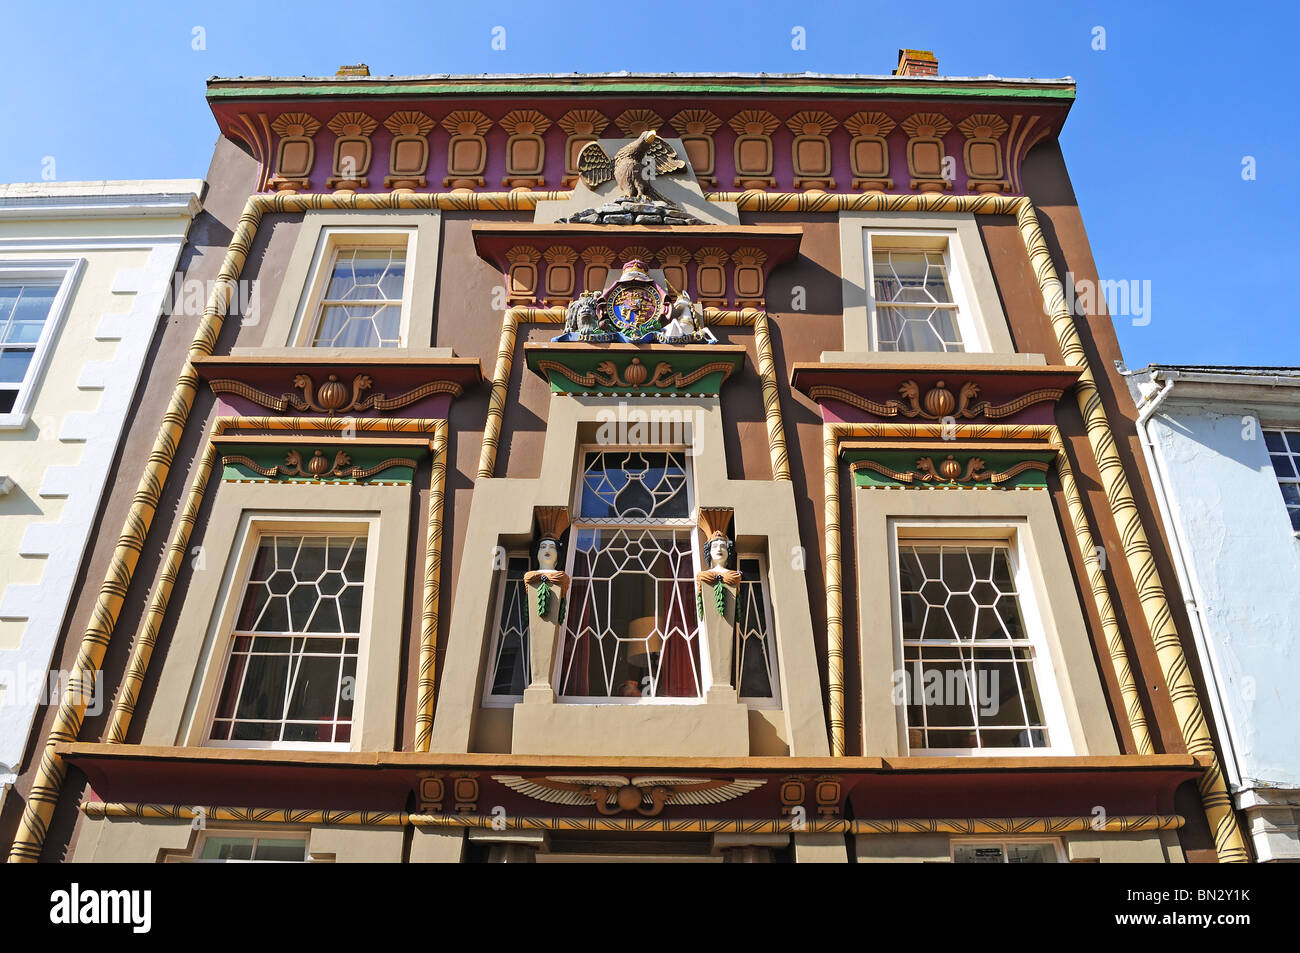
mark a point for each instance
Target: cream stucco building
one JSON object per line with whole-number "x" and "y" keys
{"x": 85, "y": 271}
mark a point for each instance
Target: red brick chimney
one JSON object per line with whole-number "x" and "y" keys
{"x": 917, "y": 63}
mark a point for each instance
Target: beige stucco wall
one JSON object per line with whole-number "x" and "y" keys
{"x": 120, "y": 840}
{"x": 502, "y": 514}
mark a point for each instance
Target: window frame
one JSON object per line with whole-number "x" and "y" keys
{"x": 1293, "y": 456}
{"x": 489, "y": 699}
{"x": 192, "y": 856}
{"x": 63, "y": 273}
{"x": 1047, "y": 681}
{"x": 994, "y": 840}
{"x": 970, "y": 324}
{"x": 670, "y": 523}
{"x": 773, "y": 702}
{"x": 231, "y": 598}
{"x": 332, "y": 240}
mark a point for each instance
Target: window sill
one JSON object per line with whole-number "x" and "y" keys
{"x": 352, "y": 355}
{"x": 14, "y": 420}
{"x": 934, "y": 358}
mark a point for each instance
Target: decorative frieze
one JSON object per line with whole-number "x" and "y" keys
{"x": 753, "y": 148}
{"x": 352, "y": 150}
{"x": 633, "y": 122}
{"x": 408, "y": 152}
{"x": 467, "y": 149}
{"x": 1004, "y": 469}
{"x": 869, "y": 150}
{"x": 695, "y": 127}
{"x": 982, "y": 153}
{"x": 525, "y": 148}
{"x": 811, "y": 149}
{"x": 926, "y": 154}
{"x": 626, "y": 369}
{"x": 296, "y": 154}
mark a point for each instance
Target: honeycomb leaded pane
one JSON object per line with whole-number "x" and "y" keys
{"x": 362, "y": 305}
{"x": 755, "y": 656}
{"x": 512, "y": 670}
{"x": 915, "y": 310}
{"x": 1284, "y": 454}
{"x": 636, "y": 484}
{"x": 294, "y": 650}
{"x": 968, "y": 661}
{"x": 632, "y": 625}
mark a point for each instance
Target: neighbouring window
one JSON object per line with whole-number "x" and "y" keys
{"x": 292, "y": 669}
{"x": 1284, "y": 452}
{"x": 24, "y": 310}
{"x": 1006, "y": 852}
{"x": 755, "y": 656}
{"x": 511, "y": 671}
{"x": 361, "y": 305}
{"x": 968, "y": 679}
{"x": 224, "y": 849}
{"x": 915, "y": 308}
{"x": 631, "y": 625}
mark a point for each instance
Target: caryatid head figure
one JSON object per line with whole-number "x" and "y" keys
{"x": 719, "y": 549}
{"x": 548, "y": 553}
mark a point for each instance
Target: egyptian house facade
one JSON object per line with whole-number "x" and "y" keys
{"x": 703, "y": 467}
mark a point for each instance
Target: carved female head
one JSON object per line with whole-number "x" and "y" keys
{"x": 718, "y": 551}
{"x": 548, "y": 553}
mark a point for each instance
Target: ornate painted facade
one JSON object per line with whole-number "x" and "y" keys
{"x": 607, "y": 477}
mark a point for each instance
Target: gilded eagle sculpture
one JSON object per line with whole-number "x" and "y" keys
{"x": 629, "y": 166}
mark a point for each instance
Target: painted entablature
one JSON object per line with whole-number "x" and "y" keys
{"x": 602, "y": 468}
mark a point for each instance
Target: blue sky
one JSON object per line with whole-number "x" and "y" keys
{"x": 1155, "y": 143}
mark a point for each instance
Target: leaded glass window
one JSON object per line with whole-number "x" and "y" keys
{"x": 511, "y": 671}
{"x": 631, "y": 624}
{"x": 755, "y": 656}
{"x": 968, "y": 660}
{"x": 293, "y": 657}
{"x": 915, "y": 308}
{"x": 362, "y": 304}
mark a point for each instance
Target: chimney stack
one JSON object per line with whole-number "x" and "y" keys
{"x": 917, "y": 63}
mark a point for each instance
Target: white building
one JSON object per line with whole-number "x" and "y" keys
{"x": 85, "y": 269}
{"x": 1223, "y": 444}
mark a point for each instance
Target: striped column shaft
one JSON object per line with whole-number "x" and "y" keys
{"x": 771, "y": 399}
{"x": 432, "y": 592}
{"x": 834, "y": 590}
{"x": 1105, "y": 605}
{"x": 147, "y": 634}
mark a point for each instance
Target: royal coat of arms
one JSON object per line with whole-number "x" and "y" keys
{"x": 635, "y": 309}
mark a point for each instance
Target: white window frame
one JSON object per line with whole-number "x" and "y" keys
{"x": 1005, "y": 842}
{"x": 759, "y": 701}
{"x": 1032, "y": 598}
{"x": 1295, "y": 462}
{"x": 674, "y": 523}
{"x": 970, "y": 320}
{"x": 193, "y": 856}
{"x": 63, "y": 272}
{"x": 255, "y": 527}
{"x": 489, "y": 700}
{"x": 329, "y": 243}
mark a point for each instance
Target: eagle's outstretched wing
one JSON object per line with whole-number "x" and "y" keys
{"x": 698, "y": 791}
{"x": 557, "y": 790}
{"x": 666, "y": 160}
{"x": 594, "y": 165}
